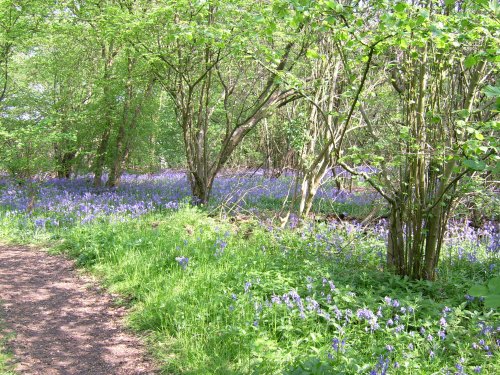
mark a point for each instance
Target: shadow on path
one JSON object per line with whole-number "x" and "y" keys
{"x": 62, "y": 324}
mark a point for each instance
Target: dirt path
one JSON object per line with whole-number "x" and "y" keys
{"x": 62, "y": 323}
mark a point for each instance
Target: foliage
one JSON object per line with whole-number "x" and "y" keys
{"x": 402, "y": 94}
{"x": 310, "y": 299}
{"x": 490, "y": 293}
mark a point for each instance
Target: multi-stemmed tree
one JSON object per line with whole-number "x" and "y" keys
{"x": 223, "y": 66}
{"x": 441, "y": 128}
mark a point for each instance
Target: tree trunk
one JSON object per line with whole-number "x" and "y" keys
{"x": 100, "y": 157}
{"x": 64, "y": 168}
{"x": 115, "y": 171}
{"x": 396, "y": 241}
{"x": 201, "y": 187}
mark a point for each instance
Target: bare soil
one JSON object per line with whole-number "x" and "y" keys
{"x": 62, "y": 322}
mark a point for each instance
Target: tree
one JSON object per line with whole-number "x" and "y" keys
{"x": 211, "y": 58}
{"x": 441, "y": 129}
{"x": 18, "y": 22}
{"x": 341, "y": 64}
{"x": 24, "y": 136}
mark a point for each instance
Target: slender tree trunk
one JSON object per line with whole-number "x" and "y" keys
{"x": 101, "y": 157}
{"x": 107, "y": 54}
{"x": 310, "y": 184}
{"x": 396, "y": 241}
{"x": 115, "y": 171}
{"x": 65, "y": 165}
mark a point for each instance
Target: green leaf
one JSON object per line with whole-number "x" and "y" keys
{"x": 478, "y": 291}
{"x": 494, "y": 285}
{"x": 400, "y": 7}
{"x": 496, "y": 169}
{"x": 475, "y": 165}
{"x": 492, "y": 301}
{"x": 492, "y": 91}
{"x": 312, "y": 54}
{"x": 470, "y": 61}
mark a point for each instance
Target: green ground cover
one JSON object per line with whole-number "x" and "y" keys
{"x": 5, "y": 355}
{"x": 219, "y": 297}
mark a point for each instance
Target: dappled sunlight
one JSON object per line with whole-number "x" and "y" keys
{"x": 62, "y": 324}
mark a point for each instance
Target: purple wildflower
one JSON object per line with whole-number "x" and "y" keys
{"x": 183, "y": 261}
{"x": 364, "y": 314}
{"x": 248, "y": 285}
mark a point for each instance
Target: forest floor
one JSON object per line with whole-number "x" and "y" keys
{"x": 61, "y": 322}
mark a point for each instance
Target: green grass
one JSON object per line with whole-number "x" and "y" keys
{"x": 5, "y": 355}
{"x": 216, "y": 316}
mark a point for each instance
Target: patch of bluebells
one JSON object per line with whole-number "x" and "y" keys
{"x": 390, "y": 324}
{"x": 77, "y": 201}
{"x": 68, "y": 202}
{"x": 337, "y": 347}
{"x": 318, "y": 300}
{"x": 381, "y": 367}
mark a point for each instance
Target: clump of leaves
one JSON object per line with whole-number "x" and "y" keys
{"x": 490, "y": 293}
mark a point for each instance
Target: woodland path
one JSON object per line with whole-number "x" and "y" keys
{"x": 62, "y": 322}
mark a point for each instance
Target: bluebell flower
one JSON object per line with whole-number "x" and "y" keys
{"x": 183, "y": 261}
{"x": 312, "y": 304}
{"x": 247, "y": 287}
{"x": 446, "y": 310}
{"x": 469, "y": 298}
{"x": 276, "y": 299}
{"x": 364, "y": 314}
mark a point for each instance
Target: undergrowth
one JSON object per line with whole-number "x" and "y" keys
{"x": 243, "y": 298}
